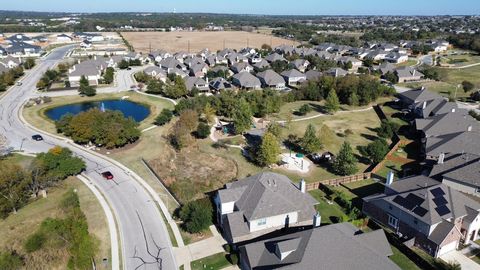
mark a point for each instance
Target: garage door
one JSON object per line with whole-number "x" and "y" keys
{"x": 447, "y": 248}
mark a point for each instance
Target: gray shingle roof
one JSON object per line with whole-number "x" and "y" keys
{"x": 441, "y": 231}
{"x": 270, "y": 77}
{"x": 453, "y": 143}
{"x": 452, "y": 122}
{"x": 419, "y": 95}
{"x": 332, "y": 247}
{"x": 245, "y": 79}
{"x": 453, "y": 162}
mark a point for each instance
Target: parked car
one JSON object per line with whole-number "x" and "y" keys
{"x": 107, "y": 175}
{"x": 37, "y": 137}
{"x": 19, "y": 83}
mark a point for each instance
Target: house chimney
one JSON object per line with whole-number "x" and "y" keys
{"x": 317, "y": 220}
{"x": 390, "y": 177}
{"x": 302, "y": 186}
{"x": 424, "y": 105}
{"x": 453, "y": 110}
{"x": 469, "y": 128}
{"x": 441, "y": 158}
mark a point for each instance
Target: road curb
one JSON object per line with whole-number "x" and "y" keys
{"x": 111, "y": 220}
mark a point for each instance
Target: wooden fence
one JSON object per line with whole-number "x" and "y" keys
{"x": 340, "y": 180}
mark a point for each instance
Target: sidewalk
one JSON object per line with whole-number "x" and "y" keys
{"x": 213, "y": 245}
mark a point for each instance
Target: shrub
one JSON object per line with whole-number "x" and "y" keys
{"x": 387, "y": 129}
{"x": 164, "y": 117}
{"x": 197, "y": 215}
{"x": 34, "y": 242}
{"x": 203, "y": 130}
{"x": 10, "y": 260}
{"x": 233, "y": 258}
{"x": 304, "y": 109}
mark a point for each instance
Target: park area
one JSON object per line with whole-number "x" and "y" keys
{"x": 197, "y": 41}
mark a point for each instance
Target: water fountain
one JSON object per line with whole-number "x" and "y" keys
{"x": 102, "y": 107}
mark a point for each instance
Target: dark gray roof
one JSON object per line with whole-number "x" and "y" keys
{"x": 453, "y": 162}
{"x": 408, "y": 72}
{"x": 313, "y": 75}
{"x": 270, "y": 77}
{"x": 452, "y": 122}
{"x": 419, "y": 95}
{"x": 245, "y": 79}
{"x": 437, "y": 106}
{"x": 418, "y": 197}
{"x": 269, "y": 194}
{"x": 332, "y": 247}
{"x": 293, "y": 73}
{"x": 461, "y": 142}
{"x": 441, "y": 231}
{"x": 275, "y": 57}
{"x": 468, "y": 173}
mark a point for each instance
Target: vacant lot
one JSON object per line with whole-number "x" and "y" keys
{"x": 197, "y": 41}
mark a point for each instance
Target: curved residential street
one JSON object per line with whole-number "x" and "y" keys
{"x": 144, "y": 240}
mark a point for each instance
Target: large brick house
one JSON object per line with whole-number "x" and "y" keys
{"x": 426, "y": 213}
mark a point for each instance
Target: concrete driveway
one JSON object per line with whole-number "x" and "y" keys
{"x": 463, "y": 260}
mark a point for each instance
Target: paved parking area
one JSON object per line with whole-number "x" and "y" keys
{"x": 464, "y": 261}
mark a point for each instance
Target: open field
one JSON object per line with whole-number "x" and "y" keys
{"x": 16, "y": 228}
{"x": 456, "y": 76}
{"x": 35, "y": 115}
{"x": 443, "y": 88}
{"x": 214, "y": 41}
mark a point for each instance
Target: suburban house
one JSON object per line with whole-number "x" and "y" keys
{"x": 170, "y": 64}
{"x": 275, "y": 57}
{"x": 159, "y": 55}
{"x": 453, "y": 143}
{"x": 23, "y": 49}
{"x": 195, "y": 82}
{"x": 199, "y": 69}
{"x": 262, "y": 65}
{"x": 397, "y": 58}
{"x": 85, "y": 44}
{"x": 19, "y": 38}
{"x": 91, "y": 69}
{"x": 260, "y": 204}
{"x": 424, "y": 103}
{"x": 219, "y": 84}
{"x": 156, "y": 72}
{"x": 294, "y": 77}
{"x": 64, "y": 38}
{"x": 271, "y": 79}
{"x": 241, "y": 67}
{"x": 426, "y": 213}
{"x": 10, "y": 62}
{"x": 455, "y": 121}
{"x": 334, "y": 247}
{"x": 313, "y": 75}
{"x": 300, "y": 64}
{"x": 408, "y": 74}
{"x": 344, "y": 60}
{"x": 459, "y": 171}
{"x": 336, "y": 72}
{"x": 246, "y": 80}
{"x": 385, "y": 68}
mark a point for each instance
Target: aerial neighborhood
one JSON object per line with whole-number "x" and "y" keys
{"x": 173, "y": 140}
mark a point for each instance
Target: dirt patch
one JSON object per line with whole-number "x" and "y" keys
{"x": 191, "y": 173}
{"x": 197, "y": 41}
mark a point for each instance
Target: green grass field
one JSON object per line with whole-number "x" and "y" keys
{"x": 402, "y": 261}
{"x": 214, "y": 262}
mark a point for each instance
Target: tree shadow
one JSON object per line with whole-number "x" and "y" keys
{"x": 369, "y": 137}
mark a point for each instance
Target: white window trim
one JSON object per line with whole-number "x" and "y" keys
{"x": 393, "y": 221}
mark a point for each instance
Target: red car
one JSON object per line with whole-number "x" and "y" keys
{"x": 107, "y": 175}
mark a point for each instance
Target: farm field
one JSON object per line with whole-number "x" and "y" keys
{"x": 214, "y": 41}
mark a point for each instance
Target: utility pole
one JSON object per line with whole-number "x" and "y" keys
{"x": 189, "y": 46}
{"x": 224, "y": 44}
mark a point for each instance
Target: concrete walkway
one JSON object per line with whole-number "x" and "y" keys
{"x": 201, "y": 249}
{"x": 464, "y": 261}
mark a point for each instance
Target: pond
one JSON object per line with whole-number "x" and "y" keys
{"x": 129, "y": 109}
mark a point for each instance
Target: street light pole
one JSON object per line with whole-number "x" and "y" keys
{"x": 21, "y": 145}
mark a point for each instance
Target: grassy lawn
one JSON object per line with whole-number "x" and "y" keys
{"x": 19, "y": 159}
{"x": 16, "y": 228}
{"x": 289, "y": 109}
{"x": 402, "y": 261}
{"x": 214, "y": 262}
{"x": 460, "y": 59}
{"x": 456, "y": 76}
{"x": 330, "y": 213}
{"x": 35, "y": 115}
{"x": 441, "y": 87}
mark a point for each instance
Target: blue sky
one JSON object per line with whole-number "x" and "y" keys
{"x": 284, "y": 7}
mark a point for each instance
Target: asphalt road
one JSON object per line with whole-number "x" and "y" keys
{"x": 145, "y": 243}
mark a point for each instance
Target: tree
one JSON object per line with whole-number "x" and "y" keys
{"x": 14, "y": 182}
{"x": 85, "y": 88}
{"x": 41, "y": 84}
{"x": 275, "y": 129}
{"x": 345, "y": 162}
{"x": 332, "y": 104}
{"x": 123, "y": 64}
{"x": 155, "y": 86}
{"x": 269, "y": 150}
{"x": 209, "y": 112}
{"x": 108, "y": 76}
{"x": 376, "y": 150}
{"x": 29, "y": 63}
{"x": 203, "y": 130}
{"x": 467, "y": 86}
{"x": 387, "y": 129}
{"x": 310, "y": 143}
{"x": 164, "y": 117}
{"x": 304, "y": 109}
{"x": 242, "y": 116}
{"x": 197, "y": 215}
{"x": 189, "y": 119}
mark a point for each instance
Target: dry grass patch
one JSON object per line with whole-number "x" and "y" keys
{"x": 214, "y": 41}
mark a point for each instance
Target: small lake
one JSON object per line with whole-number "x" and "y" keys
{"x": 129, "y": 109}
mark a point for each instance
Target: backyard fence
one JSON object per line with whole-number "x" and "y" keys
{"x": 340, "y": 180}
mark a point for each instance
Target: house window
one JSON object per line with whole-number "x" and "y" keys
{"x": 415, "y": 221}
{"x": 393, "y": 221}
{"x": 262, "y": 221}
